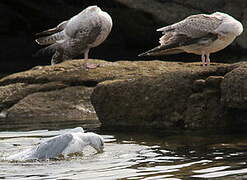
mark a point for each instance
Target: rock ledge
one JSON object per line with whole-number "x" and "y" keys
{"x": 149, "y": 94}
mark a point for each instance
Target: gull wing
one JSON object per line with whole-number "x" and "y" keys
{"x": 173, "y": 43}
{"x": 52, "y": 147}
{"x": 194, "y": 26}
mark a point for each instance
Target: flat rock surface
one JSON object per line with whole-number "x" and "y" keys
{"x": 149, "y": 94}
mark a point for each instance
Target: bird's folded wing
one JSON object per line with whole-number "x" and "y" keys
{"x": 194, "y": 26}
{"x": 53, "y": 147}
{"x": 172, "y": 43}
{"x": 180, "y": 40}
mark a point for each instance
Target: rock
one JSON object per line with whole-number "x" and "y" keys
{"x": 199, "y": 85}
{"x": 67, "y": 103}
{"x": 242, "y": 39}
{"x": 214, "y": 81}
{"x": 234, "y": 88}
{"x": 124, "y": 94}
{"x": 163, "y": 101}
{"x": 205, "y": 110}
{"x": 61, "y": 93}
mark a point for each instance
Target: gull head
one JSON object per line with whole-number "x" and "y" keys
{"x": 220, "y": 15}
{"x": 96, "y": 141}
{"x": 229, "y": 23}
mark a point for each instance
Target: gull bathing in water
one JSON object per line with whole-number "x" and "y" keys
{"x": 78, "y": 35}
{"x": 200, "y": 34}
{"x": 71, "y": 142}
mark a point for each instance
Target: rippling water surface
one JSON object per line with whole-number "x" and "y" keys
{"x": 168, "y": 155}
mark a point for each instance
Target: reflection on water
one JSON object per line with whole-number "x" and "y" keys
{"x": 129, "y": 156}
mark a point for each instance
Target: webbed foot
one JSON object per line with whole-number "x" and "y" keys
{"x": 90, "y": 65}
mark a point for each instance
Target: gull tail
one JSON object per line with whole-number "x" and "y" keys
{"x": 57, "y": 29}
{"x": 161, "y": 50}
{"x": 150, "y": 52}
{"x": 50, "y": 39}
{"x": 44, "y": 40}
{"x": 47, "y": 32}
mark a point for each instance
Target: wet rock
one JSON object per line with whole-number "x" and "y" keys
{"x": 234, "y": 88}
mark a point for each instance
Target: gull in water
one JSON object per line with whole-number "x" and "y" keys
{"x": 73, "y": 141}
{"x": 78, "y": 35}
{"x": 200, "y": 34}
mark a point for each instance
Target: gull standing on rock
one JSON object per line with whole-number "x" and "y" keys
{"x": 200, "y": 34}
{"x": 78, "y": 35}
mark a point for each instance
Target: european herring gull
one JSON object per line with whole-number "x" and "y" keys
{"x": 200, "y": 34}
{"x": 78, "y": 35}
{"x": 73, "y": 141}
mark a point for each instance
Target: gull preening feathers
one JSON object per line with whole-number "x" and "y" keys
{"x": 73, "y": 141}
{"x": 200, "y": 34}
{"x": 78, "y": 35}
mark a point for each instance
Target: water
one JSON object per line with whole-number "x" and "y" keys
{"x": 133, "y": 156}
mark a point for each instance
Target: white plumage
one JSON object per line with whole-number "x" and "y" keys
{"x": 78, "y": 35}
{"x": 71, "y": 142}
{"x": 200, "y": 34}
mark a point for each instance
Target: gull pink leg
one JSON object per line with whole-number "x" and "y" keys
{"x": 208, "y": 59}
{"x": 89, "y": 65}
{"x": 203, "y": 59}
{"x": 86, "y": 54}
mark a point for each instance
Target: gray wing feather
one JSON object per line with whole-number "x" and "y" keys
{"x": 53, "y": 147}
{"x": 194, "y": 26}
{"x": 173, "y": 43}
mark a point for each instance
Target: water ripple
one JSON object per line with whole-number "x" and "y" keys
{"x": 127, "y": 158}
